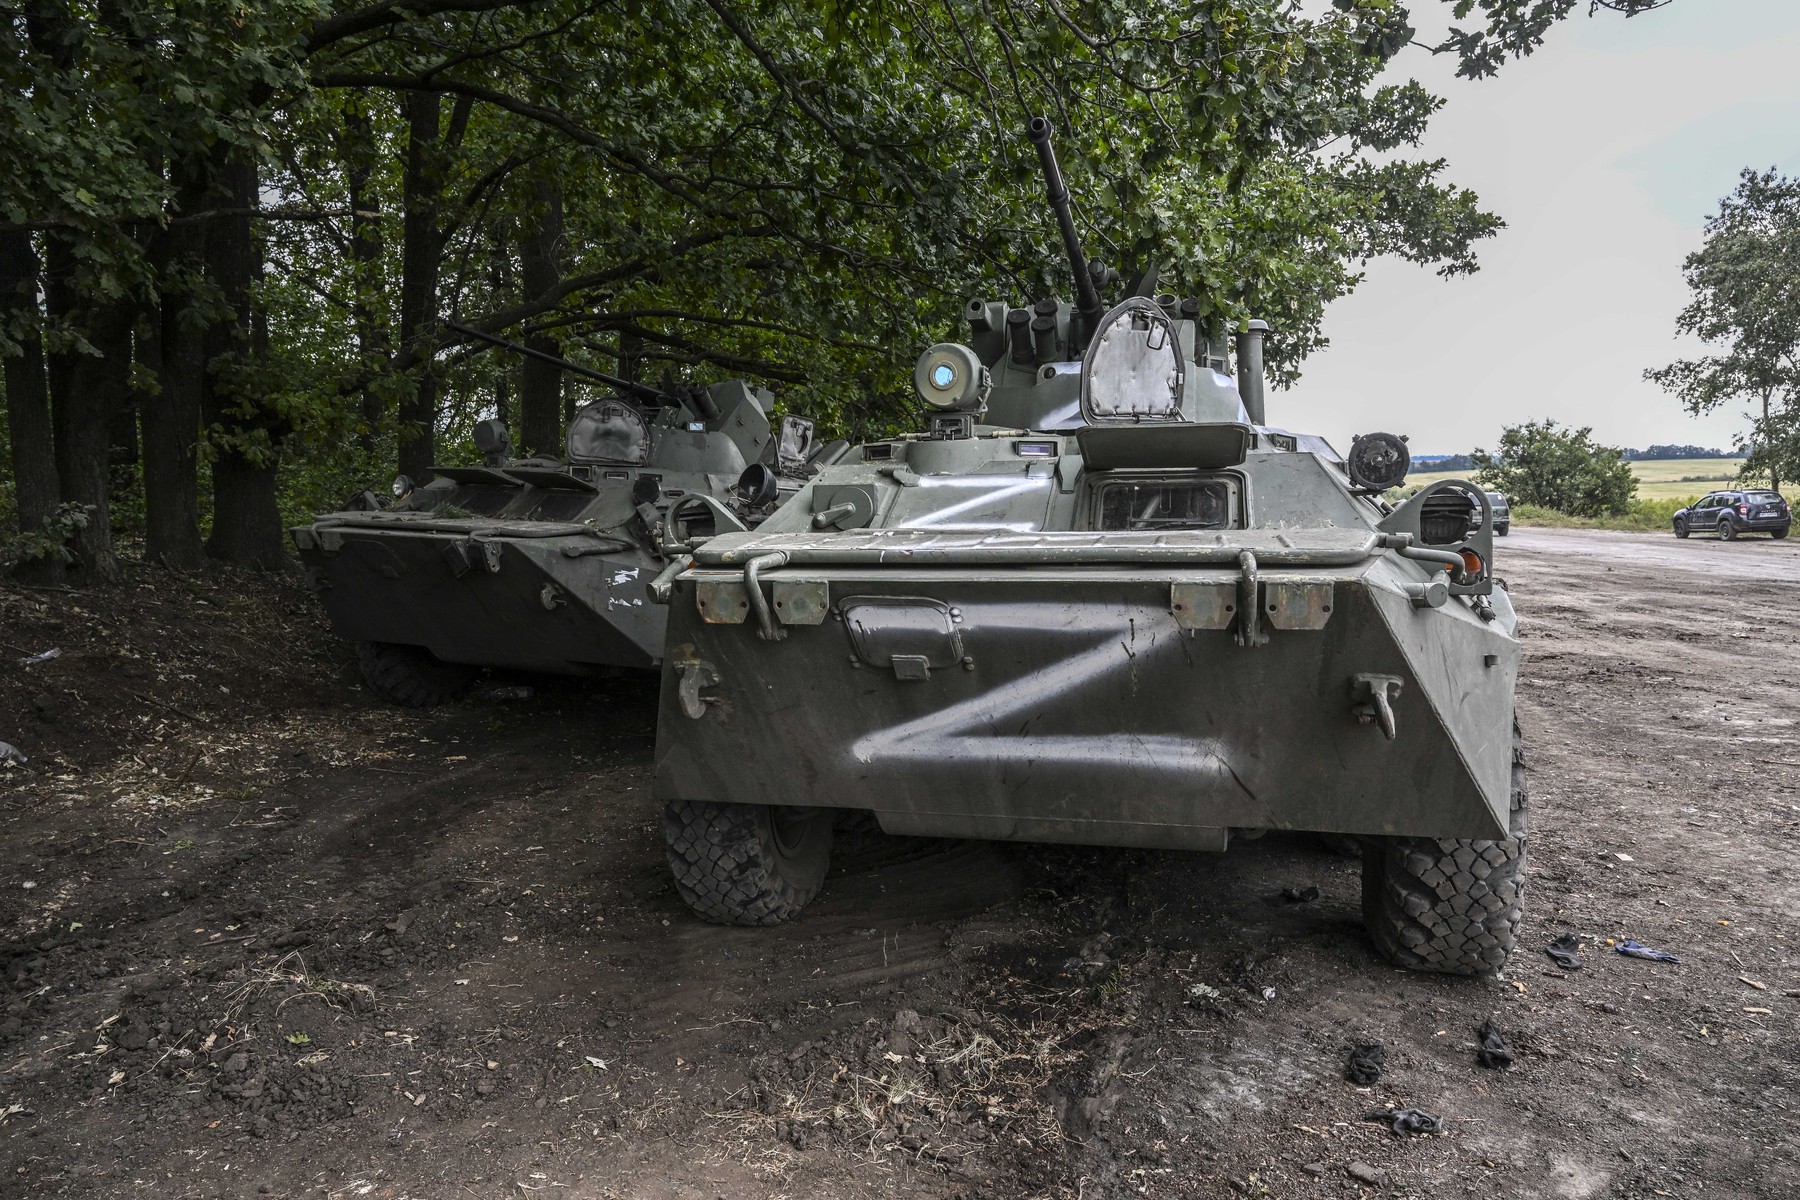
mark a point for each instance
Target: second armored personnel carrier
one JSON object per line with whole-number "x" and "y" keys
{"x": 544, "y": 564}
{"x": 1100, "y": 599}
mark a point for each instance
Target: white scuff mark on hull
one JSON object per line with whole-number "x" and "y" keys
{"x": 624, "y": 575}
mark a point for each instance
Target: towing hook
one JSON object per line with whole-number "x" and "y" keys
{"x": 695, "y": 673}
{"x": 1373, "y": 697}
{"x": 765, "y": 616}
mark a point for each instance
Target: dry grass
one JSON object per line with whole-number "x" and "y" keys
{"x": 289, "y": 976}
{"x": 962, "y": 1090}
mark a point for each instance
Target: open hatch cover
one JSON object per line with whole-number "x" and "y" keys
{"x": 1206, "y": 446}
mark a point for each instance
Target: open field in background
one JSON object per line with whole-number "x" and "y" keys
{"x": 1662, "y": 479}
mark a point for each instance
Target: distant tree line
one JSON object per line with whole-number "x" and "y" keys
{"x": 1442, "y": 462}
{"x": 1660, "y": 453}
{"x": 1656, "y": 453}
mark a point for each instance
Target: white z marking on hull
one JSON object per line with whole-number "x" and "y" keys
{"x": 962, "y": 732}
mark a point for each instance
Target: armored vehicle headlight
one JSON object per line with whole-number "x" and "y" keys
{"x": 950, "y": 378}
{"x": 1378, "y": 461}
{"x": 402, "y": 487}
{"x": 492, "y": 437}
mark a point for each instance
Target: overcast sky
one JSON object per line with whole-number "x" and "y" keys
{"x": 1604, "y": 152}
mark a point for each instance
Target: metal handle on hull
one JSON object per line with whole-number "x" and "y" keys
{"x": 759, "y": 603}
{"x": 1402, "y": 544}
{"x": 1249, "y": 610}
{"x": 662, "y": 588}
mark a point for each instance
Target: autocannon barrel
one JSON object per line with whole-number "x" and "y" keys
{"x": 629, "y": 387}
{"x": 1087, "y": 299}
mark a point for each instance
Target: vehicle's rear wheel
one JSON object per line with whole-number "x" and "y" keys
{"x": 1780, "y": 533}
{"x": 747, "y": 864}
{"x": 1681, "y": 529}
{"x": 1502, "y": 530}
{"x": 1449, "y": 904}
{"x": 411, "y": 676}
{"x": 1727, "y": 530}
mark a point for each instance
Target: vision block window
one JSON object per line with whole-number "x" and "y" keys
{"x": 1166, "y": 504}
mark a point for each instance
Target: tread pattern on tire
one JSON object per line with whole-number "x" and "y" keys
{"x": 1447, "y": 904}
{"x": 728, "y": 868}
{"x": 410, "y": 676}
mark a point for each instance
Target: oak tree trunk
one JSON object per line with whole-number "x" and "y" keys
{"x": 541, "y": 383}
{"x": 28, "y": 403}
{"x": 1774, "y": 460}
{"x": 421, "y": 260}
{"x": 85, "y": 385}
{"x": 246, "y": 525}
{"x": 170, "y": 419}
{"x": 357, "y": 147}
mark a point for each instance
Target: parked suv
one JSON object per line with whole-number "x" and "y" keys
{"x": 1728, "y": 514}
{"x": 1502, "y": 513}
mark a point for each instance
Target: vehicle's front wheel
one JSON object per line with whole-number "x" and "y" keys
{"x": 1681, "y": 529}
{"x": 411, "y": 676}
{"x": 1449, "y": 904}
{"x": 1727, "y": 530}
{"x": 747, "y": 864}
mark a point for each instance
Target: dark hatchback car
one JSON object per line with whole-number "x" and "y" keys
{"x": 1502, "y": 513}
{"x": 1727, "y": 514}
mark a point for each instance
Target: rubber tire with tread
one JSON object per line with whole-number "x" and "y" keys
{"x": 746, "y": 864}
{"x": 1448, "y": 904}
{"x": 411, "y": 676}
{"x": 1778, "y": 534}
{"x": 1502, "y": 530}
{"x": 1727, "y": 530}
{"x": 1681, "y": 529}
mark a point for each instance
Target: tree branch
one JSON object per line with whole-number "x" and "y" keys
{"x": 395, "y": 12}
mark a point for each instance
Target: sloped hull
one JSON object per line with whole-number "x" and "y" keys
{"x": 571, "y": 604}
{"x": 1080, "y": 704}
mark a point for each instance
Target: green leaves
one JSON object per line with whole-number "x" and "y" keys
{"x": 1746, "y": 304}
{"x": 804, "y": 194}
{"x": 810, "y": 194}
{"x": 1515, "y": 28}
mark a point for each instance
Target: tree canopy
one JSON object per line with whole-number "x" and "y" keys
{"x": 1745, "y": 305}
{"x": 236, "y": 236}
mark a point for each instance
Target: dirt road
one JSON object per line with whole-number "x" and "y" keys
{"x": 1751, "y": 556}
{"x": 269, "y": 939}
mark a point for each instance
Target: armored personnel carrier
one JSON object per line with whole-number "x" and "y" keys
{"x": 544, "y": 564}
{"x": 1098, "y": 598}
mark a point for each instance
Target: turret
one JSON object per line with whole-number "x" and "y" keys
{"x": 1023, "y": 366}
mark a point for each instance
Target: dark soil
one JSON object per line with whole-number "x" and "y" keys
{"x": 262, "y": 936}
